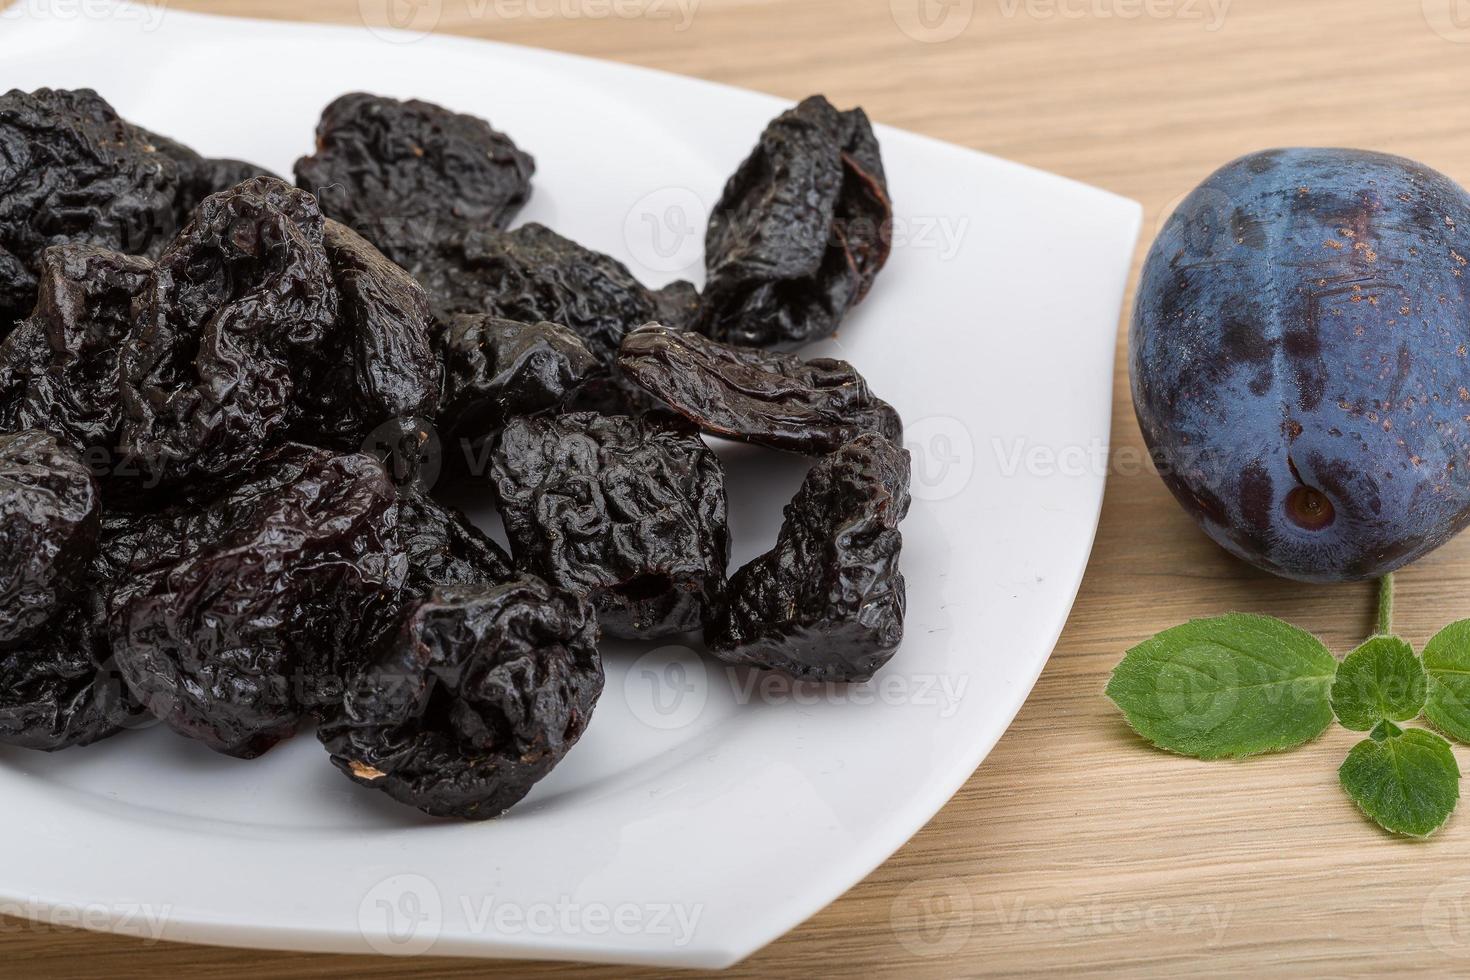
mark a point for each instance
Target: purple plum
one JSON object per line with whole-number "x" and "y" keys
{"x": 1300, "y": 359}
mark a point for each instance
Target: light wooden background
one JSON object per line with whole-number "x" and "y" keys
{"x": 1073, "y": 847}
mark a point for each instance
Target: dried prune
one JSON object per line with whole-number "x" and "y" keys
{"x": 444, "y": 548}
{"x": 143, "y": 543}
{"x": 758, "y": 396}
{"x": 71, "y": 170}
{"x": 199, "y": 176}
{"x": 496, "y": 369}
{"x": 223, "y": 341}
{"x": 59, "y": 367}
{"x": 630, "y": 512}
{"x": 208, "y": 176}
{"x": 132, "y": 542}
{"x": 206, "y": 373}
{"x": 532, "y": 275}
{"x": 17, "y": 288}
{"x": 393, "y": 169}
{"x": 58, "y": 684}
{"x": 473, "y": 700}
{"x": 376, "y": 365}
{"x": 61, "y": 687}
{"x": 252, "y": 628}
{"x": 50, "y": 511}
{"x": 827, "y": 603}
{"x": 800, "y": 231}
{"x": 180, "y": 154}
{"x": 677, "y": 305}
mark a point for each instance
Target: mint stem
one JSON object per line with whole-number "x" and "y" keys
{"x": 1385, "y": 605}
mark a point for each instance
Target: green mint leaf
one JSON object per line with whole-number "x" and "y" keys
{"x": 1447, "y": 660}
{"x": 1407, "y": 783}
{"x": 1231, "y": 686}
{"x": 1381, "y": 680}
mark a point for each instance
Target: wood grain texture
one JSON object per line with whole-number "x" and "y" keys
{"x": 1074, "y": 847}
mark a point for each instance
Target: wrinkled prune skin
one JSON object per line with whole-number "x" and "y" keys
{"x": 61, "y": 688}
{"x": 827, "y": 603}
{"x": 133, "y": 542}
{"x": 214, "y": 175}
{"x": 394, "y": 170}
{"x": 376, "y": 365}
{"x": 59, "y": 367}
{"x": 757, "y": 396}
{"x": 199, "y": 176}
{"x": 71, "y": 170}
{"x": 630, "y": 512}
{"x": 533, "y": 275}
{"x": 444, "y": 548}
{"x": 181, "y": 155}
{"x": 676, "y": 305}
{"x": 478, "y": 695}
{"x": 50, "y": 512}
{"x": 237, "y": 641}
{"x": 496, "y": 369}
{"x": 17, "y": 289}
{"x": 207, "y": 372}
{"x": 800, "y": 232}
{"x": 143, "y": 543}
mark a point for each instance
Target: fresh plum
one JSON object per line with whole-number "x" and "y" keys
{"x": 1300, "y": 360}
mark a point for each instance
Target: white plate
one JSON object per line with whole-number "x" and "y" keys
{"x": 700, "y": 817}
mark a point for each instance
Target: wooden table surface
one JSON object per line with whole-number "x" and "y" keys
{"x": 1074, "y": 846}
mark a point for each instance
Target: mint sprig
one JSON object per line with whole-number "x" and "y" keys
{"x": 1239, "y": 685}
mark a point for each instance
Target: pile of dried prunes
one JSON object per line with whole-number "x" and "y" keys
{"x": 217, "y": 390}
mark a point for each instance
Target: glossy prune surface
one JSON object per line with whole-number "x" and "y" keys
{"x": 73, "y": 171}
{"x": 398, "y": 171}
{"x": 59, "y": 367}
{"x": 252, "y": 628}
{"x": 496, "y": 369}
{"x": 50, "y": 514}
{"x": 627, "y": 511}
{"x": 828, "y": 601}
{"x": 375, "y": 364}
{"x": 758, "y": 396}
{"x": 473, "y": 700}
{"x": 800, "y": 232}
{"x": 534, "y": 275}
{"x": 207, "y": 371}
